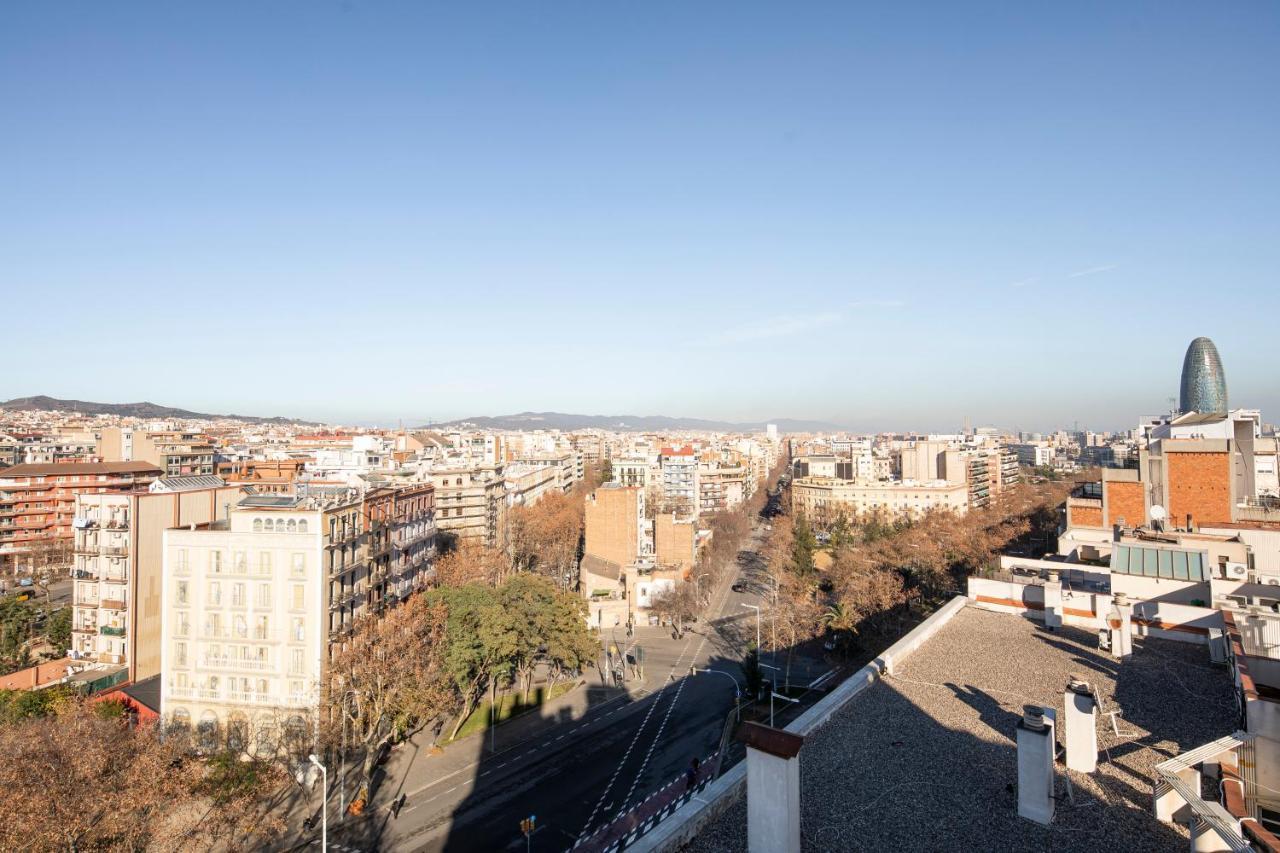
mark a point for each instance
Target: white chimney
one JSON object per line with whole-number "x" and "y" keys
{"x": 1081, "y": 726}
{"x": 1035, "y": 764}
{"x": 1052, "y": 601}
{"x": 1119, "y": 622}
{"x": 773, "y": 789}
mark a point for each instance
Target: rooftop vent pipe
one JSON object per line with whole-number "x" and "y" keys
{"x": 1035, "y": 764}
{"x": 1081, "y": 725}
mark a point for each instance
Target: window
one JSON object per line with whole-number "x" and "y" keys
{"x": 297, "y": 596}
{"x": 295, "y": 662}
{"x": 299, "y": 563}
{"x": 257, "y": 525}
{"x": 182, "y": 559}
{"x": 269, "y": 525}
{"x": 181, "y": 592}
{"x": 242, "y": 627}
{"x": 215, "y": 562}
{"x": 298, "y": 634}
{"x": 241, "y": 562}
{"x": 215, "y": 593}
{"x": 264, "y": 595}
{"x": 184, "y": 623}
{"x": 264, "y": 563}
{"x": 302, "y": 525}
{"x": 237, "y": 595}
{"x": 180, "y": 654}
{"x": 260, "y": 628}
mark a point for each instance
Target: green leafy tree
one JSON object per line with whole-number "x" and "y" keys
{"x": 58, "y": 628}
{"x": 804, "y": 543}
{"x": 841, "y": 534}
{"x": 481, "y": 642}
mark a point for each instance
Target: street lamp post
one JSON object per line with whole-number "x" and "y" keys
{"x": 737, "y": 693}
{"x": 774, "y": 695}
{"x": 324, "y": 805}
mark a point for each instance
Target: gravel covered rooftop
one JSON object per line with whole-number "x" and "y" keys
{"x": 925, "y": 759}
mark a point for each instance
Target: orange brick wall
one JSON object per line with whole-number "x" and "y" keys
{"x": 1125, "y": 500}
{"x": 1199, "y": 484}
{"x": 1084, "y": 516}
{"x": 612, "y": 525}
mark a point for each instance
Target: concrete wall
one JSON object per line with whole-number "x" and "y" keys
{"x": 688, "y": 821}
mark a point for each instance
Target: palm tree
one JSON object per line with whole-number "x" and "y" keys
{"x": 841, "y": 621}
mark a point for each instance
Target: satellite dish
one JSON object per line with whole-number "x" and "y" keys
{"x": 1157, "y": 512}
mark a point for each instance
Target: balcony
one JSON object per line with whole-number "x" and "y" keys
{"x": 84, "y": 629}
{"x": 84, "y": 574}
{"x": 114, "y": 550}
{"x": 236, "y": 664}
{"x": 112, "y": 631}
{"x": 114, "y": 604}
{"x": 192, "y": 693}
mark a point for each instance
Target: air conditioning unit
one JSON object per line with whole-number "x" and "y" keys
{"x": 1236, "y": 571}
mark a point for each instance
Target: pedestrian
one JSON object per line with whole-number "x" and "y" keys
{"x": 399, "y": 804}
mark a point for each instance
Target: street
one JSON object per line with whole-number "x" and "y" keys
{"x": 579, "y": 772}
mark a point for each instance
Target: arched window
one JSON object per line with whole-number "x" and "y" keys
{"x": 207, "y": 731}
{"x": 302, "y": 525}
{"x": 257, "y": 525}
{"x": 237, "y": 732}
{"x": 264, "y": 738}
{"x": 270, "y": 525}
{"x": 180, "y": 721}
{"x": 293, "y": 526}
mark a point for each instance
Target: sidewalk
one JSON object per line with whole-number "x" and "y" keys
{"x": 414, "y": 765}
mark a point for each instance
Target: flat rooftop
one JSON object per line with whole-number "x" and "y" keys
{"x": 926, "y": 759}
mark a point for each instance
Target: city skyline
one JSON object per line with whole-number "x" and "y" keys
{"x": 881, "y": 218}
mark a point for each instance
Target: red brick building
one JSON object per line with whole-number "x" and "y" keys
{"x": 37, "y": 501}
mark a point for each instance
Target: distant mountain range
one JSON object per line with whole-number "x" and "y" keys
{"x": 130, "y": 410}
{"x": 636, "y": 423}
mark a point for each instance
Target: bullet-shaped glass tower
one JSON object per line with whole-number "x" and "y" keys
{"x": 1204, "y": 385}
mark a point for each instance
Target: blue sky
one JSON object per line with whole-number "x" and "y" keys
{"x": 892, "y": 217}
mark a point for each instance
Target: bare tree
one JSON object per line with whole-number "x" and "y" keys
{"x": 389, "y": 679}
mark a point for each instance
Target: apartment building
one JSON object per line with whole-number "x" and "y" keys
{"x": 825, "y": 498}
{"x": 675, "y": 544}
{"x": 721, "y": 486}
{"x": 614, "y": 520}
{"x": 37, "y": 502}
{"x": 527, "y": 483}
{"x": 178, "y": 453}
{"x": 267, "y": 476}
{"x": 401, "y": 546}
{"x": 471, "y": 503}
{"x": 1033, "y": 454}
{"x": 118, "y": 566}
{"x": 638, "y": 470}
{"x": 254, "y": 602}
{"x": 679, "y": 473}
{"x": 246, "y": 603}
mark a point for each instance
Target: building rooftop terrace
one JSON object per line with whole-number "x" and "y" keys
{"x": 925, "y": 758}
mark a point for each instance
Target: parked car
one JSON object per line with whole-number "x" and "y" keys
{"x": 26, "y": 582}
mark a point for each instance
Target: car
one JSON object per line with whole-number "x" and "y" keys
{"x": 739, "y": 587}
{"x": 26, "y": 582}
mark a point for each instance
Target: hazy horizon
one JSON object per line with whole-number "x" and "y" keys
{"x": 886, "y": 217}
